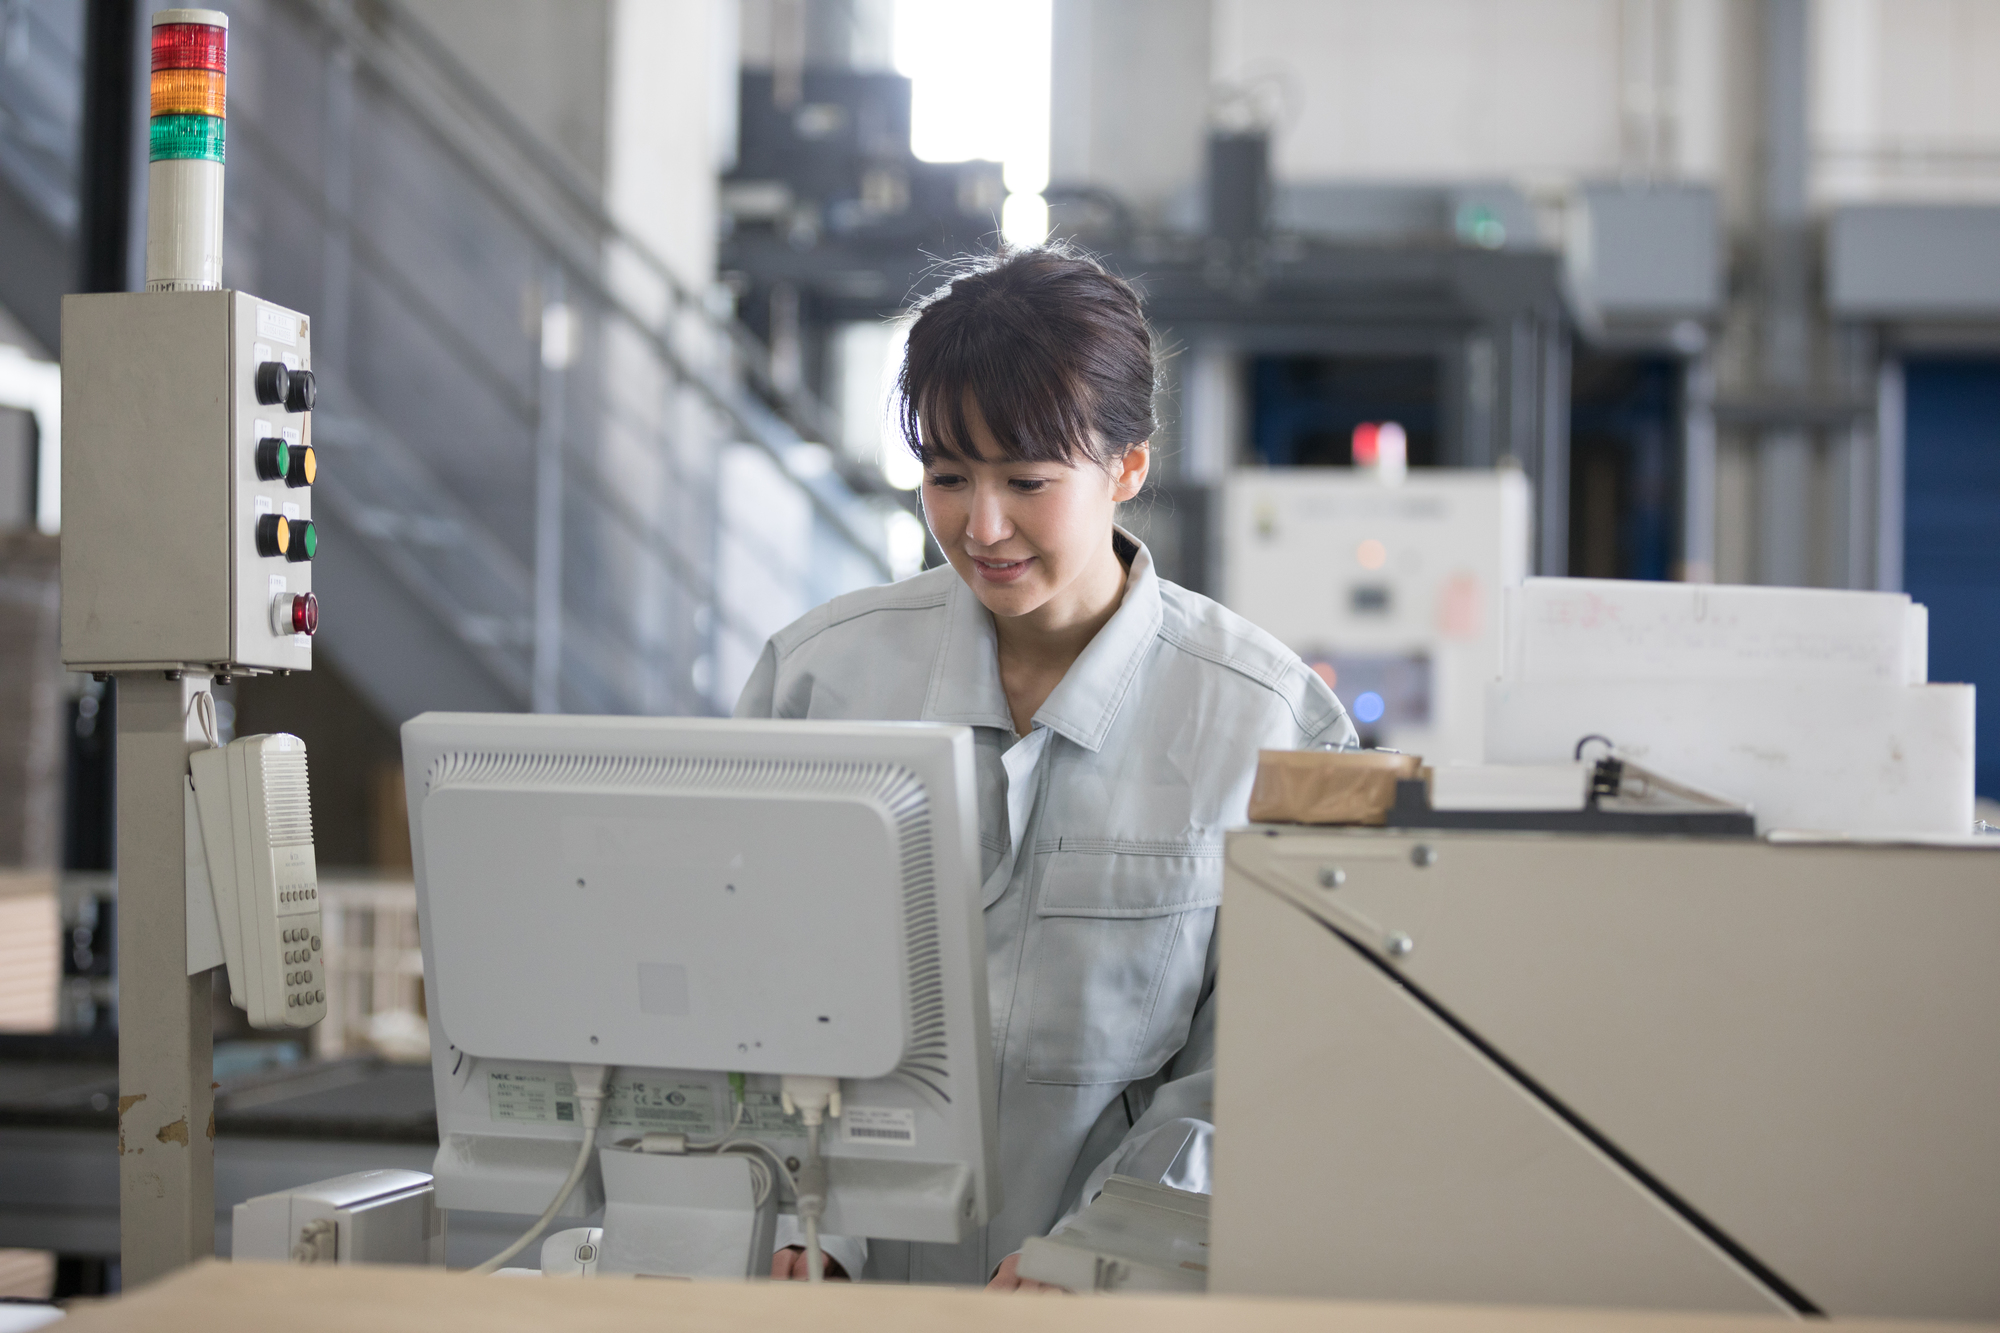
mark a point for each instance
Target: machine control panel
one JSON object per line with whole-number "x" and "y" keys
{"x": 188, "y": 474}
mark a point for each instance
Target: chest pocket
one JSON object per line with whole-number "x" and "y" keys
{"x": 1122, "y": 942}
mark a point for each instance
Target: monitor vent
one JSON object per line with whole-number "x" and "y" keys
{"x": 287, "y": 797}
{"x": 895, "y": 790}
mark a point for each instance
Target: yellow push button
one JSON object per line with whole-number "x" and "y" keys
{"x": 274, "y": 534}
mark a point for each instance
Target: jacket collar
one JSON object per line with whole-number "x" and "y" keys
{"x": 965, "y": 676}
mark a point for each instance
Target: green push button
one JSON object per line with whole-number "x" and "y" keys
{"x": 305, "y": 541}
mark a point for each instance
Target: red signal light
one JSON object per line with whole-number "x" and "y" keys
{"x": 190, "y": 46}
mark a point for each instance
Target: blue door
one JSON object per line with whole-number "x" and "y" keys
{"x": 1951, "y": 553}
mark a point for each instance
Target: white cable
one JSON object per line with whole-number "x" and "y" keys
{"x": 201, "y": 707}
{"x": 591, "y": 1083}
{"x": 812, "y": 1202}
{"x": 811, "y": 1099}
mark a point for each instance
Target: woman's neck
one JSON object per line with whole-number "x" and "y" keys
{"x": 1038, "y": 649}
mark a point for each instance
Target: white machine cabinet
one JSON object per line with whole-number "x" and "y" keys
{"x": 1392, "y": 591}
{"x": 1601, "y": 1070}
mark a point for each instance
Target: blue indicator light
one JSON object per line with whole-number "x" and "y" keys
{"x": 1368, "y": 707}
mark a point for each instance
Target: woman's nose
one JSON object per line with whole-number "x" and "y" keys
{"x": 987, "y": 522}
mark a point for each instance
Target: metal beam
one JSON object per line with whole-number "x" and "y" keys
{"x": 166, "y": 1056}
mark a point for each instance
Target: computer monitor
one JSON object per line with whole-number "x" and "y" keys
{"x": 705, "y": 905}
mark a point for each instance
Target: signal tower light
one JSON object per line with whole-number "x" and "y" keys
{"x": 184, "y": 217}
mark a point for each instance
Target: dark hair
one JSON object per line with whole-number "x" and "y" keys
{"x": 1051, "y": 348}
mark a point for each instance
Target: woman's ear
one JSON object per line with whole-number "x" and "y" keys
{"x": 1129, "y": 478}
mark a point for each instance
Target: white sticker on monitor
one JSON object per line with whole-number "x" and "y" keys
{"x": 884, "y": 1126}
{"x": 673, "y": 1105}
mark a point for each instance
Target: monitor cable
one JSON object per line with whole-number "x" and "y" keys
{"x": 592, "y": 1085}
{"x": 811, "y": 1099}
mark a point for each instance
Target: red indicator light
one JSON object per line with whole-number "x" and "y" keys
{"x": 305, "y": 614}
{"x": 1367, "y": 444}
{"x": 190, "y": 46}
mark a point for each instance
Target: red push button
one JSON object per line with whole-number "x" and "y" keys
{"x": 295, "y": 613}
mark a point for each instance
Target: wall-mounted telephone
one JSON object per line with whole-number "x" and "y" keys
{"x": 255, "y": 809}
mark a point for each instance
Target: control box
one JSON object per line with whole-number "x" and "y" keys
{"x": 187, "y": 478}
{"x": 1391, "y": 592}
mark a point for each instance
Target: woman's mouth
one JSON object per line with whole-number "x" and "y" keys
{"x": 1000, "y": 571}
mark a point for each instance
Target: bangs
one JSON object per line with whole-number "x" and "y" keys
{"x": 1034, "y": 413}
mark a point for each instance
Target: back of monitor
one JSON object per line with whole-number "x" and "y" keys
{"x": 705, "y": 905}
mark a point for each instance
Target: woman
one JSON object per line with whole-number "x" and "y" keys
{"x": 1117, "y": 720}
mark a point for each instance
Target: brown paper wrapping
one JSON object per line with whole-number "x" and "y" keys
{"x": 1327, "y": 786}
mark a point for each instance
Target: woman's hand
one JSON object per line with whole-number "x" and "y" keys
{"x": 1008, "y": 1278}
{"x": 789, "y": 1265}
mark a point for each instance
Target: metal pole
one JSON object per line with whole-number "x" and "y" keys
{"x": 1785, "y": 453}
{"x": 1552, "y": 451}
{"x": 556, "y": 338}
{"x": 104, "y": 187}
{"x": 1889, "y": 475}
{"x": 1698, "y": 469}
{"x": 336, "y": 249}
{"x": 166, "y": 1056}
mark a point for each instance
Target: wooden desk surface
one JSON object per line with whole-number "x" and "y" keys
{"x": 216, "y": 1297}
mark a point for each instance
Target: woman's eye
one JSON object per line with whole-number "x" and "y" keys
{"x": 946, "y": 479}
{"x": 1028, "y": 484}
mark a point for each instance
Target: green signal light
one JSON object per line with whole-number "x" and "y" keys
{"x": 187, "y": 138}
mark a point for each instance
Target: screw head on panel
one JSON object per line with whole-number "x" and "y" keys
{"x": 1332, "y": 877}
{"x": 1398, "y": 945}
{"x": 1423, "y": 854}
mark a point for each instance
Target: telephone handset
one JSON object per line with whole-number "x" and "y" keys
{"x": 255, "y": 807}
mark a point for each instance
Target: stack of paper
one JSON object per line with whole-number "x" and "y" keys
{"x": 1808, "y": 705}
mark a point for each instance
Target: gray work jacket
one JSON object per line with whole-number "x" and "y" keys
{"x": 1101, "y": 835}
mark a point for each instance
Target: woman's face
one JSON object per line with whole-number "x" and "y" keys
{"x": 1030, "y": 538}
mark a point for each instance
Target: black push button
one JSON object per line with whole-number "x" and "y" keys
{"x": 302, "y": 392}
{"x": 274, "y": 383}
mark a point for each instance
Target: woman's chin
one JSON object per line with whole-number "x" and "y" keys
{"x": 1009, "y": 599}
